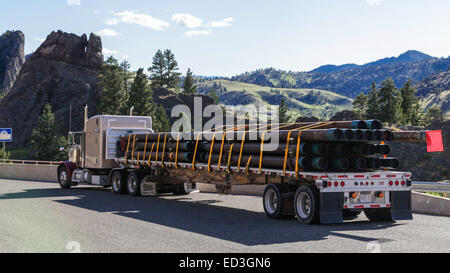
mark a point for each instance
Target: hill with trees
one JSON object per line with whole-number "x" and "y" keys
{"x": 349, "y": 80}
{"x": 299, "y": 102}
{"x": 435, "y": 92}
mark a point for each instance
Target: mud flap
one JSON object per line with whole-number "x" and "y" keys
{"x": 331, "y": 208}
{"x": 288, "y": 206}
{"x": 401, "y": 205}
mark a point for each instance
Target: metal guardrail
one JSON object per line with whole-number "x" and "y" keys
{"x": 28, "y": 162}
{"x": 431, "y": 187}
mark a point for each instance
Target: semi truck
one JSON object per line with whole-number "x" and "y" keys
{"x": 96, "y": 158}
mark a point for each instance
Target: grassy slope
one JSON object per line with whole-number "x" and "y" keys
{"x": 441, "y": 100}
{"x": 304, "y": 102}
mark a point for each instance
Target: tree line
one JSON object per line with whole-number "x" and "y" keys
{"x": 392, "y": 105}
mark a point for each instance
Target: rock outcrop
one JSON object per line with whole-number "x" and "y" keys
{"x": 12, "y": 57}
{"x": 72, "y": 49}
{"x": 63, "y": 72}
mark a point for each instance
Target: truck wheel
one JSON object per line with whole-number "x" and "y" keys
{"x": 180, "y": 189}
{"x": 379, "y": 215}
{"x": 306, "y": 205}
{"x": 134, "y": 184}
{"x": 273, "y": 200}
{"x": 351, "y": 214}
{"x": 118, "y": 182}
{"x": 63, "y": 178}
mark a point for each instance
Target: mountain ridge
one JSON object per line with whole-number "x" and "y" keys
{"x": 349, "y": 80}
{"x": 408, "y": 56}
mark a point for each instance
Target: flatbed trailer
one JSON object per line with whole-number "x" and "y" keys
{"x": 326, "y": 196}
{"x": 310, "y": 197}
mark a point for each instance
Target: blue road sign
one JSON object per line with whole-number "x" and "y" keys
{"x": 5, "y": 135}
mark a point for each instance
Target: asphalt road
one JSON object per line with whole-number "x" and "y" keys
{"x": 40, "y": 217}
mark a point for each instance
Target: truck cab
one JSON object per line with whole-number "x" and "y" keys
{"x": 93, "y": 152}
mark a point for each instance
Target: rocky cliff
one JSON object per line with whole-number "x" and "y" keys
{"x": 63, "y": 72}
{"x": 12, "y": 57}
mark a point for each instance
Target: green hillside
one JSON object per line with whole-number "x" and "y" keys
{"x": 441, "y": 101}
{"x": 301, "y": 102}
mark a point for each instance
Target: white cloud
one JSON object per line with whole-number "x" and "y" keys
{"x": 227, "y": 22}
{"x": 198, "y": 33}
{"x": 109, "y": 51}
{"x": 111, "y": 21}
{"x": 108, "y": 32}
{"x": 187, "y": 20}
{"x": 39, "y": 39}
{"x": 141, "y": 19}
{"x": 373, "y": 2}
{"x": 125, "y": 56}
{"x": 73, "y": 2}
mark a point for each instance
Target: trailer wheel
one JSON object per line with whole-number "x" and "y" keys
{"x": 63, "y": 178}
{"x": 306, "y": 205}
{"x": 118, "y": 182}
{"x": 350, "y": 214}
{"x": 181, "y": 189}
{"x": 134, "y": 184}
{"x": 274, "y": 201}
{"x": 379, "y": 215}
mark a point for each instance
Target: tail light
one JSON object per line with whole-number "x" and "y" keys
{"x": 379, "y": 195}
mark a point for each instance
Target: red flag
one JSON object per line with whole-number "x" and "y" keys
{"x": 435, "y": 142}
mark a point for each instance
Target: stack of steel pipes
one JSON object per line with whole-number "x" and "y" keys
{"x": 322, "y": 146}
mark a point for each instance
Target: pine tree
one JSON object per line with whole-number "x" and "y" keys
{"x": 126, "y": 75}
{"x": 373, "y": 103}
{"x": 45, "y": 138}
{"x": 172, "y": 76}
{"x": 434, "y": 115}
{"x": 161, "y": 122}
{"x": 141, "y": 95}
{"x": 416, "y": 115}
{"x": 213, "y": 95}
{"x": 284, "y": 117}
{"x": 189, "y": 84}
{"x": 409, "y": 100}
{"x": 157, "y": 70}
{"x": 113, "y": 93}
{"x": 360, "y": 105}
{"x": 390, "y": 100}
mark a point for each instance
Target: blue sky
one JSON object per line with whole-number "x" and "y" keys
{"x": 234, "y": 36}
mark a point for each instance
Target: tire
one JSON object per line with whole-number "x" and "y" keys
{"x": 134, "y": 184}
{"x": 351, "y": 214}
{"x": 274, "y": 201}
{"x": 180, "y": 189}
{"x": 306, "y": 205}
{"x": 63, "y": 178}
{"x": 118, "y": 182}
{"x": 379, "y": 215}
